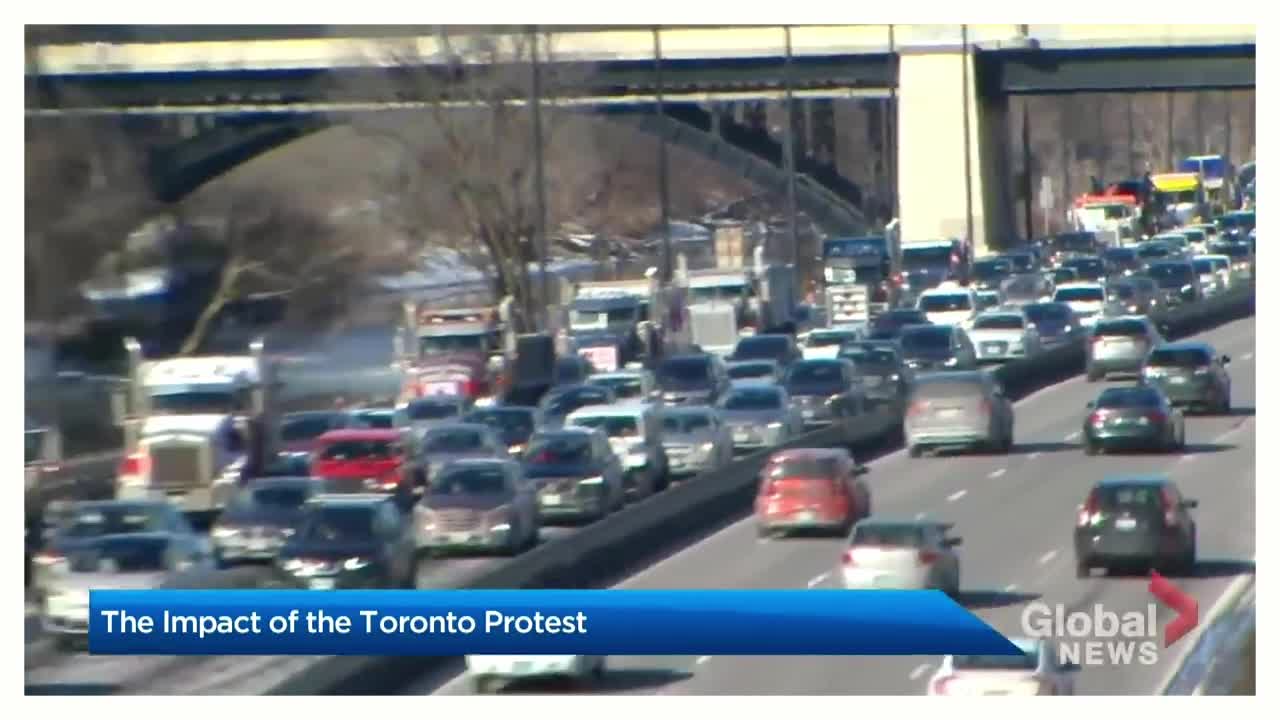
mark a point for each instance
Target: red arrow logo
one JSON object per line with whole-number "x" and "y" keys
{"x": 1175, "y": 599}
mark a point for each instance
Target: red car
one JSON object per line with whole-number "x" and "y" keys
{"x": 363, "y": 460}
{"x": 811, "y": 489}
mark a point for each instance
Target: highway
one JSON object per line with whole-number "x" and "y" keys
{"x": 1015, "y": 514}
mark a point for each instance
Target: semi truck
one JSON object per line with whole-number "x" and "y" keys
{"x": 460, "y": 351}
{"x": 866, "y": 267}
{"x": 618, "y": 322}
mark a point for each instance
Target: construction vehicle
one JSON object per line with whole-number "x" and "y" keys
{"x": 191, "y": 422}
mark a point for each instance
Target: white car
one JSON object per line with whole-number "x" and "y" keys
{"x": 1036, "y": 672}
{"x": 1000, "y": 335}
{"x": 1215, "y": 273}
{"x": 1086, "y": 300}
{"x": 484, "y": 669}
{"x": 825, "y": 343}
{"x": 901, "y": 555}
{"x": 949, "y": 304}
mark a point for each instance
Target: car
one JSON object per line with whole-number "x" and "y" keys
{"x": 371, "y": 418}
{"x": 692, "y": 379}
{"x": 361, "y": 460}
{"x": 1061, "y": 276}
{"x": 825, "y": 391}
{"x": 889, "y": 325}
{"x": 883, "y": 553}
{"x": 1070, "y": 244}
{"x": 477, "y": 505}
{"x": 628, "y": 384}
{"x": 576, "y": 474}
{"x": 886, "y": 379}
{"x": 987, "y": 273}
{"x": 1003, "y": 335}
{"x": 965, "y": 409}
{"x": 1135, "y": 521}
{"x": 1037, "y": 671}
{"x": 811, "y": 489}
{"x": 759, "y": 416}
{"x": 1086, "y": 300}
{"x": 949, "y": 304}
{"x": 425, "y": 412}
{"x": 1236, "y": 225}
{"x": 937, "y": 347}
{"x": 988, "y": 299}
{"x": 1023, "y": 261}
{"x": 1021, "y": 290}
{"x": 696, "y": 439}
{"x": 560, "y": 402}
{"x": 1089, "y": 268}
{"x": 1119, "y": 345}
{"x": 1133, "y": 418}
{"x": 572, "y": 370}
{"x": 1133, "y": 295}
{"x": 485, "y": 670}
{"x": 348, "y": 542}
{"x": 260, "y": 517}
{"x": 1241, "y": 256}
{"x": 513, "y": 423}
{"x": 299, "y": 430}
{"x": 1191, "y": 374}
{"x": 1179, "y": 244}
{"x": 109, "y": 545}
{"x": 1197, "y": 239}
{"x": 1121, "y": 261}
{"x": 769, "y": 346}
{"x": 635, "y": 434}
{"x": 826, "y": 342}
{"x": 443, "y": 444}
{"x": 754, "y": 371}
{"x": 1056, "y": 323}
{"x": 1215, "y": 273}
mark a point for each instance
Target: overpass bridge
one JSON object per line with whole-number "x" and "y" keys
{"x": 261, "y": 86}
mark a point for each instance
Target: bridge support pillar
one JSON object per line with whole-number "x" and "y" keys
{"x": 933, "y": 197}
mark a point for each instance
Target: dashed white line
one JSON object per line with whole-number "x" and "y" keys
{"x": 919, "y": 670}
{"x": 1072, "y": 436}
{"x": 1048, "y": 557}
{"x": 1247, "y": 356}
{"x": 1186, "y": 458}
{"x": 1010, "y": 587}
{"x": 702, "y": 659}
{"x": 921, "y": 516}
{"x": 818, "y": 579}
{"x": 997, "y": 473}
{"x": 957, "y": 495}
{"x": 1033, "y": 455}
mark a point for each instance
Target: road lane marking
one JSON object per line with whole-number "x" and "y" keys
{"x": 1186, "y": 458}
{"x": 702, "y": 660}
{"x": 818, "y": 579}
{"x": 1072, "y": 436}
{"x": 1033, "y": 455}
{"x": 997, "y": 473}
{"x": 921, "y": 516}
{"x": 1010, "y": 587}
{"x": 956, "y": 495}
{"x": 1048, "y": 557}
{"x": 1247, "y": 356}
{"x": 919, "y": 671}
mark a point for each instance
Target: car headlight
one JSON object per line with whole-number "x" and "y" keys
{"x": 499, "y": 519}
{"x": 635, "y": 459}
{"x": 425, "y": 519}
{"x": 951, "y": 362}
{"x": 774, "y": 426}
{"x": 293, "y": 565}
{"x": 222, "y": 532}
{"x": 287, "y": 532}
{"x": 355, "y": 563}
{"x": 895, "y": 377}
{"x": 1202, "y": 371}
{"x": 707, "y": 447}
{"x": 593, "y": 480}
{"x": 516, "y": 449}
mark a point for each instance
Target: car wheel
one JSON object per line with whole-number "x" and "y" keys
{"x": 1188, "y": 564}
{"x": 480, "y": 684}
{"x": 598, "y": 672}
{"x": 1082, "y": 568}
{"x": 915, "y": 451}
{"x": 1093, "y": 376}
{"x": 1091, "y": 448}
{"x": 1225, "y": 407}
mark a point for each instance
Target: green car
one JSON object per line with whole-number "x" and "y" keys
{"x": 1133, "y": 418}
{"x": 1190, "y": 374}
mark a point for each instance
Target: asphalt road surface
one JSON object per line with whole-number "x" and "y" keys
{"x": 1016, "y": 515}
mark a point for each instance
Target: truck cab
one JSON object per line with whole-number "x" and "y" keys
{"x": 454, "y": 352}
{"x": 605, "y": 329}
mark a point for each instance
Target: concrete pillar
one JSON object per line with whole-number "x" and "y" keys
{"x": 824, "y": 131}
{"x": 931, "y": 163}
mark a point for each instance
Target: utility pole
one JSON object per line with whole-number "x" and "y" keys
{"x": 663, "y": 190}
{"x": 1168, "y": 114}
{"x": 788, "y": 152}
{"x": 1026, "y": 172}
{"x": 1201, "y": 141}
{"x": 968, "y": 161}
{"x": 892, "y": 124}
{"x": 540, "y": 182}
{"x": 1133, "y": 167}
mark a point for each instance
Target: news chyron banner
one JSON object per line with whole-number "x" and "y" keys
{"x": 536, "y": 622}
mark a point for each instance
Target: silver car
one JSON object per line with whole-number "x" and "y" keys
{"x": 482, "y": 505}
{"x": 1119, "y": 345}
{"x": 697, "y": 440}
{"x": 1002, "y": 335}
{"x": 759, "y": 416}
{"x": 957, "y": 410}
{"x": 888, "y": 554}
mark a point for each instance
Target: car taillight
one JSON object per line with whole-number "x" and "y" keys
{"x": 48, "y": 558}
{"x": 1098, "y": 417}
{"x": 471, "y": 388}
{"x": 135, "y": 464}
{"x": 984, "y": 407}
{"x": 1156, "y": 416}
{"x": 1089, "y": 512}
{"x": 897, "y": 279}
{"x": 848, "y": 559}
{"x": 917, "y": 407}
{"x": 1170, "y": 509}
{"x": 927, "y": 557}
{"x": 940, "y": 685}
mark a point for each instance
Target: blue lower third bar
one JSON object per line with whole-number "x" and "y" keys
{"x": 536, "y": 622}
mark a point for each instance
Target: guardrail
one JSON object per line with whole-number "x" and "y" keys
{"x": 603, "y": 551}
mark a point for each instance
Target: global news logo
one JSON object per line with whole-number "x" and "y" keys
{"x": 1099, "y": 636}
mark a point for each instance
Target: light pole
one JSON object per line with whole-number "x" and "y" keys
{"x": 663, "y": 189}
{"x": 892, "y": 123}
{"x": 968, "y": 162}
{"x": 789, "y": 151}
{"x": 540, "y": 182}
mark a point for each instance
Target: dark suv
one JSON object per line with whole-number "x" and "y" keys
{"x": 1136, "y": 521}
{"x": 1191, "y": 374}
{"x": 698, "y": 379}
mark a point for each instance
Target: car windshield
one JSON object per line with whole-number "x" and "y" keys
{"x": 131, "y": 555}
{"x": 602, "y": 318}
{"x": 747, "y": 370}
{"x": 1120, "y": 255}
{"x": 685, "y": 422}
{"x": 998, "y": 322}
{"x": 612, "y": 425}
{"x": 1119, "y": 497}
{"x": 760, "y": 347}
{"x": 1121, "y": 292}
{"x": 275, "y": 497}
{"x": 827, "y": 339}
{"x": 113, "y": 520}
{"x": 1188, "y": 357}
{"x": 360, "y": 450}
{"x": 1087, "y": 268}
{"x": 1235, "y": 250}
{"x": 862, "y": 355}
{"x": 1021, "y": 263}
{"x": 949, "y": 302}
{"x": 1080, "y": 294}
{"x": 1204, "y": 266}
{"x": 1238, "y": 220}
{"x": 623, "y": 387}
{"x": 511, "y": 421}
{"x": 452, "y": 440}
{"x": 1065, "y": 275}
{"x": 801, "y": 467}
{"x": 718, "y": 293}
{"x": 822, "y": 373}
{"x": 559, "y": 449}
{"x": 1022, "y": 287}
{"x": 915, "y": 258}
{"x": 431, "y": 410}
{"x": 1046, "y": 314}
{"x": 566, "y": 402}
{"x": 926, "y": 338}
{"x": 895, "y": 319}
{"x": 1074, "y": 242}
{"x": 991, "y": 269}
{"x": 488, "y": 480}
{"x": 373, "y": 419}
{"x": 684, "y": 370}
{"x": 888, "y": 535}
{"x": 753, "y": 399}
{"x": 1169, "y": 275}
{"x": 339, "y": 524}
{"x": 1026, "y": 661}
{"x": 300, "y": 428}
{"x": 194, "y": 403}
{"x": 446, "y": 344}
{"x": 1129, "y": 397}
{"x": 570, "y": 370}
{"x": 1194, "y": 236}
{"x": 1121, "y": 328}
{"x": 1153, "y": 250}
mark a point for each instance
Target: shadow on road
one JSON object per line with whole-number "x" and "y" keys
{"x": 1206, "y": 448}
{"x": 1218, "y": 568}
{"x": 614, "y": 681}
{"x": 986, "y": 599}
{"x": 71, "y": 689}
{"x": 1031, "y": 448}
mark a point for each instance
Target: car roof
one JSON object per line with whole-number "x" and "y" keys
{"x": 1149, "y": 480}
{"x": 956, "y": 376}
{"x": 620, "y": 409}
{"x": 1185, "y": 345}
{"x": 473, "y": 427}
{"x": 807, "y": 454}
{"x": 1075, "y": 285}
{"x": 676, "y": 410}
{"x": 479, "y": 462}
{"x": 1002, "y": 312}
{"x": 618, "y": 375}
{"x": 441, "y": 398}
{"x": 361, "y": 434}
{"x": 284, "y": 480}
{"x": 953, "y": 290}
{"x": 349, "y": 499}
{"x": 371, "y": 411}
{"x": 566, "y": 430}
{"x": 756, "y": 361}
{"x": 82, "y": 505}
